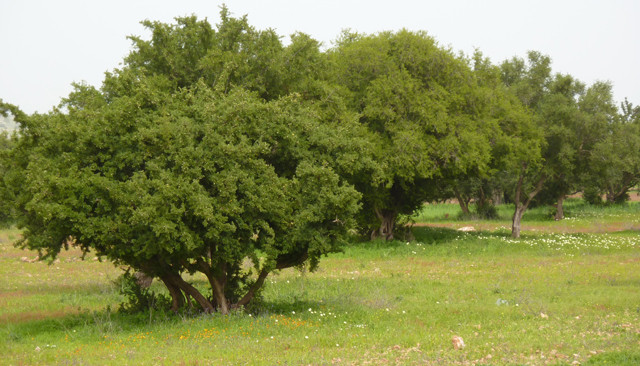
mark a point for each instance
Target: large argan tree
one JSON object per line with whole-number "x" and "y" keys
{"x": 210, "y": 148}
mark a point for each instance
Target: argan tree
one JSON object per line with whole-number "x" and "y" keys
{"x": 510, "y": 137}
{"x": 418, "y": 102}
{"x": 529, "y": 81}
{"x": 198, "y": 156}
{"x": 615, "y": 159}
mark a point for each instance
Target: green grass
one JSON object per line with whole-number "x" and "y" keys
{"x": 579, "y": 216}
{"x": 546, "y": 298}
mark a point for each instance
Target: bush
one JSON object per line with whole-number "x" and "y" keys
{"x": 592, "y": 196}
{"x": 620, "y": 199}
{"x": 139, "y": 299}
{"x": 486, "y": 211}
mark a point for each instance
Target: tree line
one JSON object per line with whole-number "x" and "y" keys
{"x": 217, "y": 146}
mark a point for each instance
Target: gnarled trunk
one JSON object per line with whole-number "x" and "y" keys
{"x": 177, "y": 299}
{"x": 217, "y": 275}
{"x": 387, "y": 221}
{"x": 610, "y": 196}
{"x": 252, "y": 291}
{"x": 619, "y": 193}
{"x": 188, "y": 289}
{"x": 217, "y": 283}
{"x": 617, "y": 196}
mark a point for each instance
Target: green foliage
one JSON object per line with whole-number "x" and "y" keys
{"x": 592, "y": 195}
{"x": 615, "y": 162}
{"x": 420, "y": 105}
{"x": 138, "y": 299}
{"x": 219, "y": 151}
{"x": 170, "y": 174}
{"x": 572, "y": 120}
{"x": 5, "y": 206}
{"x": 7, "y": 142}
{"x": 486, "y": 210}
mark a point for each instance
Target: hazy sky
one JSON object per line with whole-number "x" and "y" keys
{"x": 46, "y": 45}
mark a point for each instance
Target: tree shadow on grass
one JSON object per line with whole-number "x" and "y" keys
{"x": 86, "y": 323}
{"x": 435, "y": 235}
{"x": 423, "y": 234}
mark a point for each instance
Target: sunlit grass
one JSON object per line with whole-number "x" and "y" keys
{"x": 545, "y": 298}
{"x": 579, "y": 216}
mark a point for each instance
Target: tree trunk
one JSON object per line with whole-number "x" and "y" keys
{"x": 221, "y": 299}
{"x": 521, "y": 207}
{"x": 193, "y": 292}
{"x": 610, "y": 196}
{"x": 516, "y": 222}
{"x": 252, "y": 291}
{"x": 217, "y": 284}
{"x": 387, "y": 221}
{"x": 464, "y": 203}
{"x": 559, "y": 208}
{"x": 177, "y": 299}
{"x": 497, "y": 197}
{"x": 618, "y": 196}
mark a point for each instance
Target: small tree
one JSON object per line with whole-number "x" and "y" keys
{"x": 615, "y": 162}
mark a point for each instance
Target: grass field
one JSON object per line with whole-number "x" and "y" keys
{"x": 548, "y": 298}
{"x": 580, "y": 217}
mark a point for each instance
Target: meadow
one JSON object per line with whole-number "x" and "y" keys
{"x": 566, "y": 293}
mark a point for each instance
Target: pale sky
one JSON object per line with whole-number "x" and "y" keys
{"x": 46, "y": 45}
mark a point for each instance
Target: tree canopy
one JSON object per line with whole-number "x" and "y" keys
{"x": 421, "y": 106}
{"x": 171, "y": 174}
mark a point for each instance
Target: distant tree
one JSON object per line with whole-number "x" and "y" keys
{"x": 418, "y": 102}
{"x": 196, "y": 156}
{"x": 615, "y": 160}
{"x": 566, "y": 140}
{"x": 528, "y": 81}
{"x": 573, "y": 121}
{"x": 7, "y": 142}
{"x": 510, "y": 136}
{"x": 599, "y": 114}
